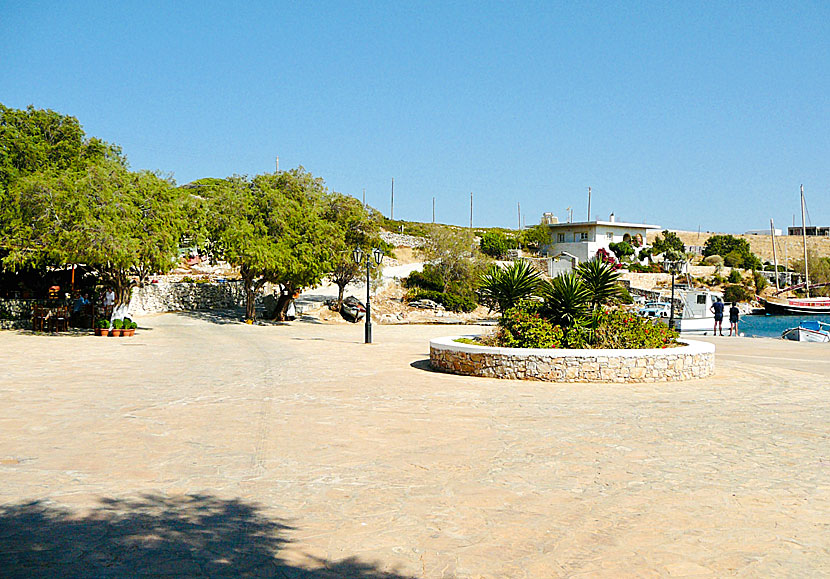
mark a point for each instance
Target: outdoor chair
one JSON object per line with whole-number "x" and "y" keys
{"x": 38, "y": 317}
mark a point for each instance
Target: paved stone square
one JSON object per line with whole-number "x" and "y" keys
{"x": 203, "y": 447}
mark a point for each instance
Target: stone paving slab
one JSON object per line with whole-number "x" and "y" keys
{"x": 199, "y": 448}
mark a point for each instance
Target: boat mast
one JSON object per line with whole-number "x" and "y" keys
{"x": 774, "y": 258}
{"x": 804, "y": 238}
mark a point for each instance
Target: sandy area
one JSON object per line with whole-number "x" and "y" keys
{"x": 205, "y": 447}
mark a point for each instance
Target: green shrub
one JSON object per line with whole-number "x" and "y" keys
{"x": 759, "y": 280}
{"x": 617, "y": 328}
{"x": 521, "y": 329}
{"x": 494, "y": 244}
{"x": 451, "y": 301}
{"x": 715, "y": 260}
{"x": 118, "y": 324}
{"x": 717, "y": 280}
{"x": 637, "y": 268}
{"x": 103, "y": 324}
{"x": 502, "y": 288}
{"x": 735, "y": 276}
{"x": 428, "y": 279}
{"x": 736, "y": 293}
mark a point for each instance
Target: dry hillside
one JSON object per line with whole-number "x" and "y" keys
{"x": 761, "y": 245}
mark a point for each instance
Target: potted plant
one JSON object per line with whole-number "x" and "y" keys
{"x": 129, "y": 327}
{"x": 102, "y": 328}
{"x": 117, "y": 328}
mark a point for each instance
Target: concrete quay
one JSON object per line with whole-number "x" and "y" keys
{"x": 203, "y": 447}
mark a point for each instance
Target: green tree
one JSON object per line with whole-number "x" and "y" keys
{"x": 35, "y": 140}
{"x": 669, "y": 241}
{"x": 535, "y": 237}
{"x": 273, "y": 228}
{"x": 735, "y": 252}
{"x": 455, "y": 260}
{"x": 621, "y": 249}
{"x": 355, "y": 228}
{"x": 121, "y": 223}
{"x": 494, "y": 244}
{"x": 503, "y": 288}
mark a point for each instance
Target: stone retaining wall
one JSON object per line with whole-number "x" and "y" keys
{"x": 185, "y": 296}
{"x": 693, "y": 360}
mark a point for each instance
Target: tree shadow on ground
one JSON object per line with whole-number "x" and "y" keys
{"x": 191, "y": 536}
{"x": 223, "y": 316}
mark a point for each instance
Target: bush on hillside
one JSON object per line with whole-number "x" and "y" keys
{"x": 735, "y": 276}
{"x": 736, "y": 293}
{"x": 451, "y": 301}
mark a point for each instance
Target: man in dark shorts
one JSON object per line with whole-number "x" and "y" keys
{"x": 717, "y": 309}
{"x": 733, "y": 318}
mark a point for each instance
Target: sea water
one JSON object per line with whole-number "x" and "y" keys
{"x": 767, "y": 326}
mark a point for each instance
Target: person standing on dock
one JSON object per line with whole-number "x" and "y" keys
{"x": 717, "y": 309}
{"x": 733, "y": 318}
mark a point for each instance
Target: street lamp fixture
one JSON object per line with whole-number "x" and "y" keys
{"x": 376, "y": 256}
{"x": 674, "y": 266}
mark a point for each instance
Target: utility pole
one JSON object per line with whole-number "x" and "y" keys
{"x": 519, "y": 205}
{"x": 392, "y": 209}
{"x": 278, "y": 163}
{"x": 364, "y": 198}
{"x": 433, "y": 210}
{"x": 589, "y": 203}
{"x": 471, "y": 211}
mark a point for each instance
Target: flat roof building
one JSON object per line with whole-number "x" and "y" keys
{"x": 582, "y": 239}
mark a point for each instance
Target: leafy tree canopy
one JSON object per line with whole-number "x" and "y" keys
{"x": 119, "y": 222}
{"x": 36, "y": 140}
{"x": 494, "y": 244}
{"x": 669, "y": 242}
{"x": 735, "y": 252}
{"x": 273, "y": 228}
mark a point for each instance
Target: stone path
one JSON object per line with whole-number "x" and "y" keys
{"x": 205, "y": 448}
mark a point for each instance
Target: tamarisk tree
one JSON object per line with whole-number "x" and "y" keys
{"x": 273, "y": 228}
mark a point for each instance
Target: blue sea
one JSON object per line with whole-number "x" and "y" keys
{"x": 766, "y": 326}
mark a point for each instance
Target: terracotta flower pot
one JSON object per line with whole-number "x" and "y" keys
{"x": 116, "y": 333}
{"x": 102, "y": 331}
{"x": 127, "y": 333}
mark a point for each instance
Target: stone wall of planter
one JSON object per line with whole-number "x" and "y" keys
{"x": 693, "y": 360}
{"x": 185, "y": 296}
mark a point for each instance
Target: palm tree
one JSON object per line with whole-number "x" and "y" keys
{"x": 601, "y": 281}
{"x": 566, "y": 300}
{"x": 505, "y": 287}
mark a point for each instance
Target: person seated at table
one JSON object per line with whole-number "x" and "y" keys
{"x": 79, "y": 309}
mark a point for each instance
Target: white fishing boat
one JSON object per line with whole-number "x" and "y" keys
{"x": 697, "y": 315}
{"x": 810, "y": 331}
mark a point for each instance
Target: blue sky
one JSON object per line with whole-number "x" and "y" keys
{"x": 682, "y": 114}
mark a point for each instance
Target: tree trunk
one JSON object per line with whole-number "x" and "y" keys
{"x": 285, "y": 299}
{"x": 341, "y": 289}
{"x": 250, "y": 294}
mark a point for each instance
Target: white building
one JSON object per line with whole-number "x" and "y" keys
{"x": 584, "y": 238}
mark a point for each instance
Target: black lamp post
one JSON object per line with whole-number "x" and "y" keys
{"x": 375, "y": 255}
{"x": 674, "y": 267}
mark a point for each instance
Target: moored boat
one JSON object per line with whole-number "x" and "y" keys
{"x": 697, "y": 315}
{"x": 796, "y": 306}
{"x": 810, "y": 331}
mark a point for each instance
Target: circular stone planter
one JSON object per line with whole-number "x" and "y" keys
{"x": 692, "y": 360}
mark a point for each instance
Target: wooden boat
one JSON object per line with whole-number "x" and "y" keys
{"x": 796, "y": 306}
{"x": 812, "y": 331}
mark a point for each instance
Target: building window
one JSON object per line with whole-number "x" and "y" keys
{"x": 609, "y": 236}
{"x": 561, "y": 238}
{"x": 583, "y": 236}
